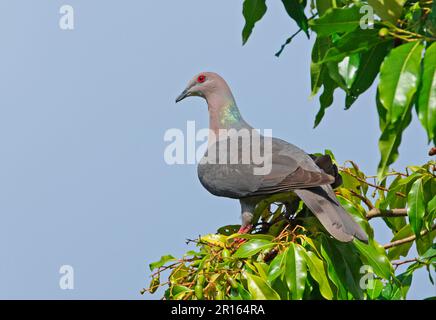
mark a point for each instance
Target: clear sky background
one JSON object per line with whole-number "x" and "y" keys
{"x": 83, "y": 113}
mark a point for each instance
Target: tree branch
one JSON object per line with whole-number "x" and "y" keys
{"x": 407, "y": 239}
{"x": 375, "y": 186}
{"x": 400, "y": 262}
{"x": 364, "y": 199}
{"x": 374, "y": 213}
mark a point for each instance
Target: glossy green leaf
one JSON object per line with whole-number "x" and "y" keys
{"x": 348, "y": 69}
{"x": 163, "y": 260}
{"x": 375, "y": 289}
{"x": 296, "y": 270}
{"x": 336, "y": 20}
{"x": 253, "y": 11}
{"x": 352, "y": 42}
{"x": 323, "y": 5}
{"x": 370, "y": 62}
{"x": 431, "y": 208}
{"x": 401, "y": 287}
{"x": 260, "y": 289}
{"x": 249, "y": 236}
{"x": 178, "y": 292}
{"x": 343, "y": 264}
{"x": 416, "y": 206}
{"x": 229, "y": 229}
{"x": 389, "y": 10}
{"x": 390, "y": 140}
{"x": 429, "y": 254}
{"x": 319, "y": 50}
{"x": 399, "y": 77}
{"x": 295, "y": 10}
{"x": 358, "y": 213}
{"x": 276, "y": 267}
{"x": 214, "y": 239}
{"x": 425, "y": 242}
{"x": 317, "y": 271}
{"x": 426, "y": 102}
{"x": 326, "y": 98}
{"x": 401, "y": 250}
{"x": 245, "y": 295}
{"x": 378, "y": 261}
{"x": 252, "y": 247}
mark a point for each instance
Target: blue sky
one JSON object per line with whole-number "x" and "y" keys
{"x": 83, "y": 113}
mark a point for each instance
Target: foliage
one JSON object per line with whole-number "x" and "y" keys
{"x": 288, "y": 255}
{"x": 358, "y": 41}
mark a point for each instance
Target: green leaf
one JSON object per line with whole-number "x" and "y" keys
{"x": 426, "y": 102}
{"x": 249, "y": 236}
{"x": 295, "y": 10}
{"x": 431, "y": 21}
{"x": 401, "y": 287}
{"x": 296, "y": 270}
{"x": 215, "y": 239}
{"x": 390, "y": 140}
{"x": 245, "y": 295}
{"x": 424, "y": 242}
{"x": 375, "y": 289}
{"x": 352, "y": 42}
{"x": 348, "y": 69}
{"x": 377, "y": 260}
{"x": 317, "y": 271}
{"x": 178, "y": 292}
{"x": 389, "y": 10}
{"x": 259, "y": 289}
{"x": 163, "y": 260}
{"x": 399, "y": 76}
{"x": 431, "y": 208}
{"x": 229, "y": 229}
{"x": 252, "y": 247}
{"x": 326, "y": 98}
{"x": 429, "y": 254}
{"x": 253, "y": 11}
{"x": 320, "y": 48}
{"x": 336, "y": 20}
{"x": 401, "y": 250}
{"x": 343, "y": 265}
{"x": 370, "y": 62}
{"x": 357, "y": 212}
{"x": 416, "y": 206}
{"x": 323, "y": 5}
{"x": 276, "y": 267}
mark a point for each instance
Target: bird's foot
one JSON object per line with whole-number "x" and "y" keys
{"x": 243, "y": 230}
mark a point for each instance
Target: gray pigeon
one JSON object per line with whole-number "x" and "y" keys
{"x": 285, "y": 167}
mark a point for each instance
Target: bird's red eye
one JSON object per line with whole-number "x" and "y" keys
{"x": 201, "y": 78}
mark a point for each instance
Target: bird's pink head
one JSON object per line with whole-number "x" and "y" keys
{"x": 223, "y": 112}
{"x": 209, "y": 86}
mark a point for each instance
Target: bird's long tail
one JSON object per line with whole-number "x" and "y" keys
{"x": 323, "y": 203}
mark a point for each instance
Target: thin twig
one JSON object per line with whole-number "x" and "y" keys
{"x": 400, "y": 262}
{"x": 347, "y": 171}
{"x": 374, "y": 213}
{"x": 364, "y": 199}
{"x": 407, "y": 239}
{"x": 278, "y": 53}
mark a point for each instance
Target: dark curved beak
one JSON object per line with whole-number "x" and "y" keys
{"x": 183, "y": 95}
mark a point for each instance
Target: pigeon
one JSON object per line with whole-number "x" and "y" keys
{"x": 239, "y": 175}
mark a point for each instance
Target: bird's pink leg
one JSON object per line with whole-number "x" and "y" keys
{"x": 245, "y": 229}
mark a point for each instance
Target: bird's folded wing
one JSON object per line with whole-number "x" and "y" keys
{"x": 299, "y": 179}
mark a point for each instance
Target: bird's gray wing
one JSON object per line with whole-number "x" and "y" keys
{"x": 290, "y": 168}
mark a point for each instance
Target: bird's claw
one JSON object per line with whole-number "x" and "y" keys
{"x": 243, "y": 230}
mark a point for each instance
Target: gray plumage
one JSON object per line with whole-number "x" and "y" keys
{"x": 292, "y": 169}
